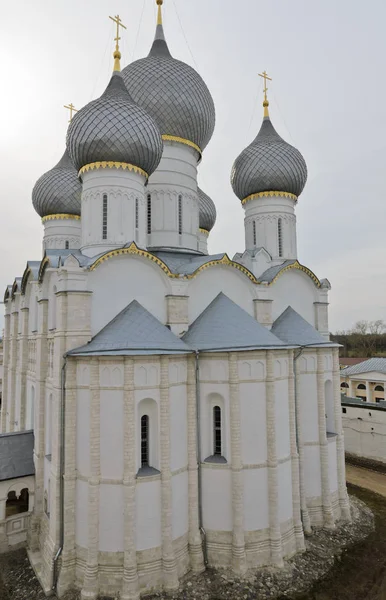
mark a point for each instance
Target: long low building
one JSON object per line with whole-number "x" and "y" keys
{"x": 365, "y": 380}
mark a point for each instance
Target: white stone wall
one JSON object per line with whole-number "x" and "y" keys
{"x": 123, "y": 188}
{"x": 365, "y": 432}
{"x": 62, "y": 233}
{"x": 175, "y": 176}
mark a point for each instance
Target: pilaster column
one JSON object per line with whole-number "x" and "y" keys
{"x": 368, "y": 392}
{"x": 130, "y": 586}
{"x": 12, "y": 362}
{"x": 6, "y": 344}
{"x": 67, "y": 571}
{"x": 239, "y": 559}
{"x": 299, "y": 423}
{"x": 169, "y": 566}
{"x": 342, "y": 489}
{"x": 195, "y": 543}
{"x": 90, "y": 583}
{"x": 299, "y": 536}
{"x": 328, "y": 515}
{"x": 273, "y": 475}
{"x": 23, "y": 366}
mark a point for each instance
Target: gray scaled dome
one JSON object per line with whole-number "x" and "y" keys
{"x": 114, "y": 128}
{"x": 58, "y": 191}
{"x": 208, "y": 212}
{"x": 173, "y": 93}
{"x": 269, "y": 164}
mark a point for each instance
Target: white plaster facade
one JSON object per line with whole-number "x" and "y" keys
{"x": 364, "y": 430}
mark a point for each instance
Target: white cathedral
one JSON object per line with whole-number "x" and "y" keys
{"x": 185, "y": 407}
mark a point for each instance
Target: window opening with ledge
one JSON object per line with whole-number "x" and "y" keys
{"x": 254, "y": 232}
{"x": 144, "y": 441}
{"x": 217, "y": 431}
{"x": 149, "y": 213}
{"x": 280, "y": 236}
{"x": 180, "y": 214}
{"x": 67, "y": 245}
{"x": 104, "y": 217}
{"x": 16, "y": 505}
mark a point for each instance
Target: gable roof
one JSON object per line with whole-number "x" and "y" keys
{"x": 291, "y": 328}
{"x": 16, "y": 455}
{"x": 224, "y": 325}
{"x": 133, "y": 331}
{"x": 372, "y": 364}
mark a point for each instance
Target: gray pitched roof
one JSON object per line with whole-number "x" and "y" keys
{"x": 224, "y": 325}
{"x": 16, "y": 455}
{"x": 270, "y": 274}
{"x": 293, "y": 329}
{"x": 373, "y": 364}
{"x": 133, "y": 331}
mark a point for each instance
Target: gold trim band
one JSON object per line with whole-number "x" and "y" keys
{"x": 173, "y": 138}
{"x": 60, "y": 216}
{"x": 204, "y": 231}
{"x": 112, "y": 165}
{"x": 269, "y": 195}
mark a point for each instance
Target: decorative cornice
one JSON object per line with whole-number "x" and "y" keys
{"x": 227, "y": 262}
{"x": 112, "y": 165}
{"x": 133, "y": 249}
{"x": 43, "y": 265}
{"x": 204, "y": 231}
{"x": 173, "y": 138}
{"x": 24, "y": 281}
{"x": 269, "y": 195}
{"x": 60, "y": 216}
{"x": 299, "y": 267}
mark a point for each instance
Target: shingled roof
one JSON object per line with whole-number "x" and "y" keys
{"x": 16, "y": 455}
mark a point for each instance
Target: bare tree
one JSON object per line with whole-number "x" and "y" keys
{"x": 377, "y": 327}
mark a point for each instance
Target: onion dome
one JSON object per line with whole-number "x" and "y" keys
{"x": 114, "y": 129}
{"x": 58, "y": 191}
{"x": 269, "y": 164}
{"x": 173, "y": 93}
{"x": 208, "y": 212}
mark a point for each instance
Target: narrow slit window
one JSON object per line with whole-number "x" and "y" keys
{"x": 180, "y": 214}
{"x": 149, "y": 213}
{"x": 254, "y": 233}
{"x": 145, "y": 441}
{"x": 217, "y": 450}
{"x": 280, "y": 236}
{"x": 136, "y": 213}
{"x": 104, "y": 217}
{"x": 67, "y": 245}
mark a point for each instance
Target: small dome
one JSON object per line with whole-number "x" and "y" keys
{"x": 173, "y": 93}
{"x": 114, "y": 128}
{"x": 208, "y": 212}
{"x": 58, "y": 191}
{"x": 269, "y": 164}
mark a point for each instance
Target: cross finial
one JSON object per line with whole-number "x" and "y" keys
{"x": 72, "y": 109}
{"x": 159, "y": 4}
{"x": 117, "y": 54}
{"x": 265, "y": 103}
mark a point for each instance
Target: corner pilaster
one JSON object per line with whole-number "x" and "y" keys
{"x": 342, "y": 489}
{"x": 328, "y": 515}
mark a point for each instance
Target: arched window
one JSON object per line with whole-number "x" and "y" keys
{"x": 67, "y": 245}
{"x": 254, "y": 233}
{"x": 180, "y": 214}
{"x": 379, "y": 388}
{"x": 344, "y": 385}
{"x": 217, "y": 441}
{"x": 280, "y": 236}
{"x": 144, "y": 441}
{"x": 16, "y": 505}
{"x": 136, "y": 213}
{"x": 149, "y": 213}
{"x": 361, "y": 386}
{"x": 104, "y": 217}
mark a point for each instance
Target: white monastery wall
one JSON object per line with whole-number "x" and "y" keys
{"x": 113, "y": 289}
{"x": 209, "y": 283}
{"x": 365, "y": 432}
{"x": 295, "y": 289}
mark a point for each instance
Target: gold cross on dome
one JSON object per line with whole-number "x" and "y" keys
{"x": 265, "y": 77}
{"x": 72, "y": 109}
{"x": 119, "y": 23}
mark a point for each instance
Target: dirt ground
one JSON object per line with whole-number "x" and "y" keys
{"x": 358, "y": 574}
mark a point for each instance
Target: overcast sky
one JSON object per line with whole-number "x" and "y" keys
{"x": 327, "y": 98}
